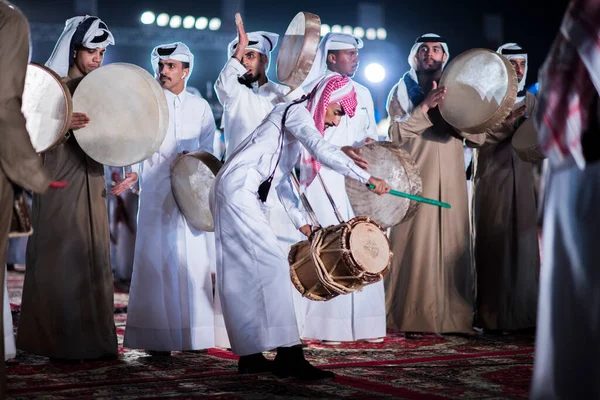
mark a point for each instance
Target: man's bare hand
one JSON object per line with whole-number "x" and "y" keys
{"x": 381, "y": 186}
{"x": 369, "y": 140}
{"x": 125, "y": 184}
{"x": 308, "y": 230}
{"x": 515, "y": 115}
{"x": 434, "y": 97}
{"x": 79, "y": 120}
{"x": 354, "y": 154}
{"x": 242, "y": 38}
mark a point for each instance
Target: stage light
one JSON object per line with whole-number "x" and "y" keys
{"x": 148, "y": 18}
{"x": 188, "y": 22}
{"x": 175, "y": 22}
{"x": 375, "y": 73}
{"x": 214, "y": 24}
{"x": 336, "y": 29}
{"x": 371, "y": 34}
{"x": 162, "y": 19}
{"x": 347, "y": 30}
{"x": 359, "y": 32}
{"x": 325, "y": 29}
{"x": 381, "y": 34}
{"x": 202, "y": 23}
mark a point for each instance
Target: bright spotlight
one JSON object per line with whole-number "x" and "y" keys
{"x": 162, "y": 19}
{"x": 381, "y": 34}
{"x": 325, "y": 29}
{"x": 175, "y": 21}
{"x": 202, "y": 23}
{"x": 214, "y": 24}
{"x": 148, "y": 18}
{"x": 371, "y": 34}
{"x": 359, "y": 32}
{"x": 347, "y": 29}
{"x": 188, "y": 22}
{"x": 375, "y": 73}
{"x": 336, "y": 29}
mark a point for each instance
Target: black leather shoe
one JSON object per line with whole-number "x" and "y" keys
{"x": 290, "y": 361}
{"x": 254, "y": 364}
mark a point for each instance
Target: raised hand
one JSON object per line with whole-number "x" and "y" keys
{"x": 434, "y": 97}
{"x": 79, "y": 120}
{"x": 354, "y": 154}
{"x": 515, "y": 115}
{"x": 125, "y": 184}
{"x": 242, "y": 38}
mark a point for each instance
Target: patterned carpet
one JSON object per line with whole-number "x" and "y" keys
{"x": 448, "y": 367}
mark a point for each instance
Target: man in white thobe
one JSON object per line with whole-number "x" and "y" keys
{"x": 255, "y": 285}
{"x": 171, "y": 301}
{"x": 359, "y": 315}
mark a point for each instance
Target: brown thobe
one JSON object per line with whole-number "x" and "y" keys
{"x": 19, "y": 164}
{"x": 67, "y": 307}
{"x": 430, "y": 287}
{"x": 507, "y": 257}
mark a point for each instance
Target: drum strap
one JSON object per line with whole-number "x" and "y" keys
{"x": 333, "y": 205}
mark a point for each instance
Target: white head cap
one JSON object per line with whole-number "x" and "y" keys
{"x": 172, "y": 51}
{"x": 512, "y": 51}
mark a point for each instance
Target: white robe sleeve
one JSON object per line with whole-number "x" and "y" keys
{"x": 303, "y": 128}
{"x": 290, "y": 201}
{"x": 227, "y": 86}
{"x": 206, "y": 139}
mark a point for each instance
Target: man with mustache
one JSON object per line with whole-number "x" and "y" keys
{"x": 67, "y": 309}
{"x": 507, "y": 255}
{"x": 430, "y": 286}
{"x": 253, "y": 271}
{"x": 170, "y": 304}
{"x": 359, "y": 315}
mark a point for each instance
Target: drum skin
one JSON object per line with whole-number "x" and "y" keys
{"x": 525, "y": 143}
{"x": 481, "y": 90}
{"x": 298, "y": 49}
{"x": 47, "y": 107}
{"x": 340, "y": 259}
{"x": 128, "y": 111}
{"x": 192, "y": 175}
{"x": 395, "y": 165}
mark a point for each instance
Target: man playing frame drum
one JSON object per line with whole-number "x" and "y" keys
{"x": 507, "y": 255}
{"x": 170, "y": 305}
{"x": 361, "y": 314}
{"x": 255, "y": 285}
{"x": 432, "y": 248}
{"x": 67, "y": 309}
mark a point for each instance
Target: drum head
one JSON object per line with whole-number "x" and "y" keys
{"x": 481, "y": 90}
{"x": 47, "y": 107}
{"x": 370, "y": 247}
{"x": 525, "y": 142}
{"x": 128, "y": 114}
{"x": 298, "y": 49}
{"x": 390, "y": 162}
{"x": 192, "y": 176}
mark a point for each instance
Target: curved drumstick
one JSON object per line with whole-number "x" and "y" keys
{"x": 415, "y": 197}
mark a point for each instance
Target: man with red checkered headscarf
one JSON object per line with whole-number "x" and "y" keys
{"x": 567, "y": 354}
{"x": 254, "y": 286}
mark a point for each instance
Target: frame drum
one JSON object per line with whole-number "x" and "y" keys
{"x": 525, "y": 143}
{"x": 393, "y": 164}
{"x": 192, "y": 175}
{"x": 298, "y": 49}
{"x": 47, "y": 107}
{"x": 128, "y": 111}
{"x": 481, "y": 91}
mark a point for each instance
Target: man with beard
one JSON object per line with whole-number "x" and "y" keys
{"x": 359, "y": 315}
{"x": 67, "y": 309}
{"x": 243, "y": 87}
{"x": 170, "y": 304}
{"x": 507, "y": 255}
{"x": 430, "y": 285}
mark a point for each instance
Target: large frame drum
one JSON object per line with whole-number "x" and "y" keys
{"x": 481, "y": 91}
{"x": 128, "y": 111}
{"x": 525, "y": 143}
{"x": 395, "y": 165}
{"x": 340, "y": 259}
{"x": 47, "y": 107}
{"x": 192, "y": 176}
{"x": 298, "y": 49}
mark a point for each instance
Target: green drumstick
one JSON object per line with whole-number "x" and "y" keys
{"x": 415, "y": 198}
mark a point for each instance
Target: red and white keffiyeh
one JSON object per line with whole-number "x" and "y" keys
{"x": 335, "y": 89}
{"x": 569, "y": 82}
